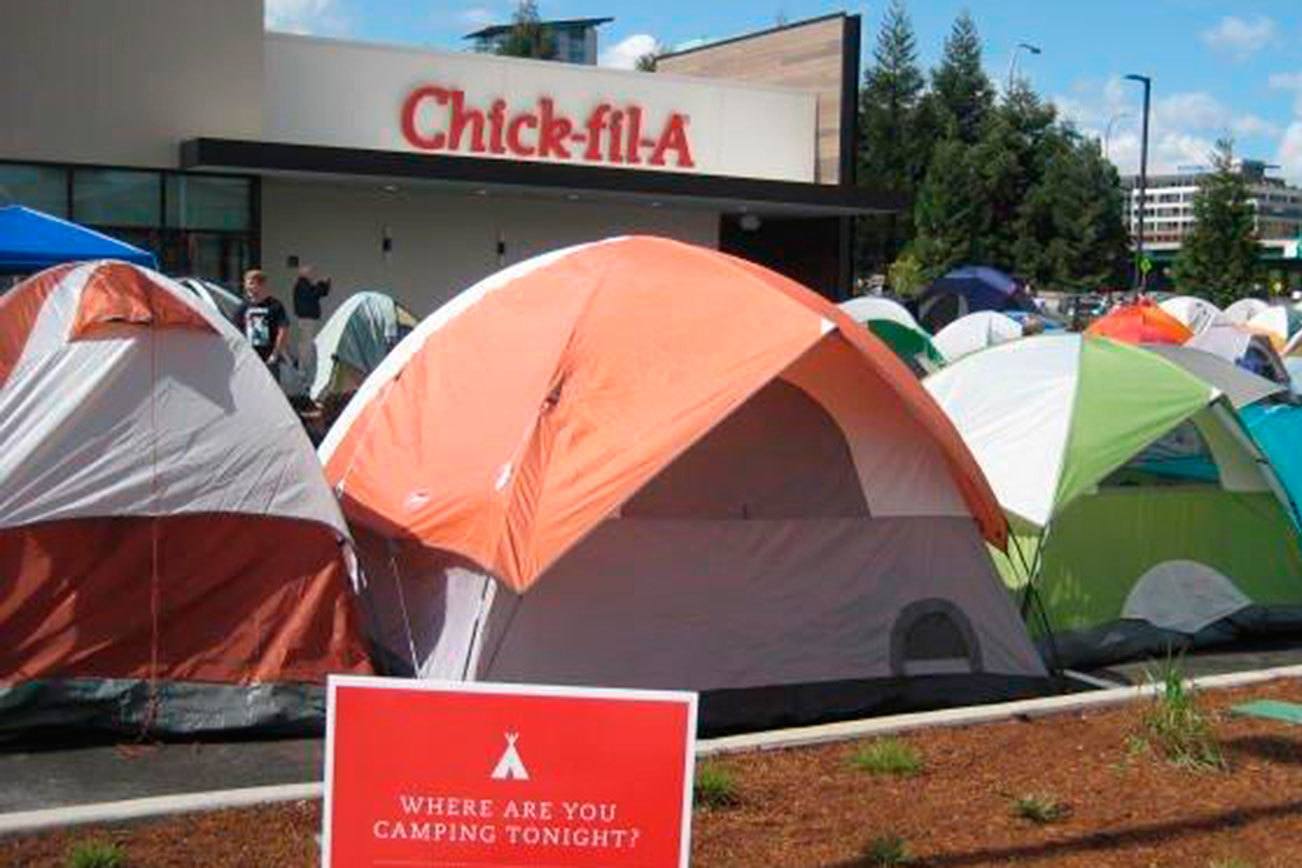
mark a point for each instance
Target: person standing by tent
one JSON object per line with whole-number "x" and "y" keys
{"x": 307, "y": 308}
{"x": 263, "y": 320}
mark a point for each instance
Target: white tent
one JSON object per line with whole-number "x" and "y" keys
{"x": 976, "y": 331}
{"x": 866, "y": 308}
{"x": 1196, "y": 313}
{"x": 1244, "y": 309}
{"x": 355, "y": 339}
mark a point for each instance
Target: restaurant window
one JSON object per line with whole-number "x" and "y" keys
{"x": 208, "y": 202}
{"x": 117, "y": 197}
{"x": 44, "y": 188}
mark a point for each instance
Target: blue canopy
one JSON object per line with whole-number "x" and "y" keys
{"x": 1277, "y": 428}
{"x": 969, "y": 289}
{"x": 31, "y": 240}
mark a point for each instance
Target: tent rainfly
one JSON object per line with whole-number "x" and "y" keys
{"x": 171, "y": 558}
{"x": 1243, "y": 310}
{"x": 966, "y": 290}
{"x": 355, "y": 339}
{"x": 1243, "y": 346}
{"x": 746, "y": 496}
{"x": 1143, "y": 514}
{"x": 1140, "y": 323}
{"x": 1282, "y": 322}
{"x": 976, "y": 331}
{"x": 1194, "y": 313}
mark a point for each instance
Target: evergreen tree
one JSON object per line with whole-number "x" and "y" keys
{"x": 1010, "y": 159}
{"x": 890, "y": 156}
{"x": 962, "y": 89}
{"x": 950, "y": 211}
{"x": 1218, "y": 258}
{"x": 527, "y": 37}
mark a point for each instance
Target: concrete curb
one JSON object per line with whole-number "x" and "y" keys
{"x": 161, "y": 806}
{"x": 154, "y": 806}
{"x": 970, "y": 715}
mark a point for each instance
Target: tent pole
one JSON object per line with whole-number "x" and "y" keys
{"x": 402, "y": 603}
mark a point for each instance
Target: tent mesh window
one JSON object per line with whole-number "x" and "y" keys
{"x": 933, "y": 637}
{"x": 1179, "y": 457}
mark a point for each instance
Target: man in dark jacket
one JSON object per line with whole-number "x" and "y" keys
{"x": 307, "y": 308}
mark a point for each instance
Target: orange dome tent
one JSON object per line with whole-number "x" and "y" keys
{"x": 705, "y": 476}
{"x": 1142, "y": 322}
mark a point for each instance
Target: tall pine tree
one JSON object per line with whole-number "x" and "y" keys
{"x": 962, "y": 90}
{"x": 1218, "y": 258}
{"x": 950, "y": 211}
{"x": 891, "y": 156}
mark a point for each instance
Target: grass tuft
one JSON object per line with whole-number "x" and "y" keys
{"x": 888, "y": 756}
{"x": 1176, "y": 725}
{"x": 715, "y": 787}
{"x": 96, "y": 854}
{"x": 1230, "y": 862}
{"x": 885, "y": 850}
{"x": 1039, "y": 808}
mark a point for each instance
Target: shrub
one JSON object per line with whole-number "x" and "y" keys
{"x": 887, "y": 850}
{"x": 1177, "y": 726}
{"x": 715, "y": 787}
{"x": 1039, "y": 808}
{"x": 888, "y": 756}
{"x": 97, "y": 854}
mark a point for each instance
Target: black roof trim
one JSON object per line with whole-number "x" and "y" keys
{"x": 255, "y": 156}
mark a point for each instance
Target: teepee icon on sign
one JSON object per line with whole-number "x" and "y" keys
{"x": 510, "y": 766}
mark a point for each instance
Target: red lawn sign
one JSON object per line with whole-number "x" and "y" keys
{"x": 426, "y": 773}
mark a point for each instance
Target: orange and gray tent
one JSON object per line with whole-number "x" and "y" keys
{"x": 171, "y": 558}
{"x": 641, "y": 463}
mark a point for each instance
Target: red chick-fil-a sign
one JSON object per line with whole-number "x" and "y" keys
{"x": 437, "y": 118}
{"x": 440, "y": 773}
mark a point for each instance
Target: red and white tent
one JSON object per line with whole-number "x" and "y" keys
{"x": 170, "y": 553}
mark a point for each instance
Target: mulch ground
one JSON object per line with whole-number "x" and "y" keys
{"x": 813, "y": 807}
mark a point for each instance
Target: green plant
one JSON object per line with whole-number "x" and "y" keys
{"x": 888, "y": 756}
{"x": 1230, "y": 862}
{"x": 890, "y": 849}
{"x": 715, "y": 787}
{"x": 1039, "y": 808}
{"x": 97, "y": 854}
{"x": 1177, "y": 726}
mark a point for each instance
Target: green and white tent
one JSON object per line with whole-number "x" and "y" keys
{"x": 1143, "y": 516}
{"x": 355, "y": 339}
{"x": 894, "y": 326}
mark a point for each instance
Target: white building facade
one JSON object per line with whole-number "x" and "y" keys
{"x": 180, "y": 126}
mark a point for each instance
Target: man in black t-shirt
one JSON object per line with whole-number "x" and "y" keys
{"x": 263, "y": 320}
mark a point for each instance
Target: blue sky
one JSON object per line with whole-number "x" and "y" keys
{"x": 1218, "y": 66}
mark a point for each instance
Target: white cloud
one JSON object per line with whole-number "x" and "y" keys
{"x": 478, "y": 17}
{"x": 315, "y": 17}
{"x": 1239, "y": 37}
{"x": 1290, "y": 153}
{"x": 1183, "y": 127}
{"x": 1289, "y": 81}
{"x": 625, "y": 53}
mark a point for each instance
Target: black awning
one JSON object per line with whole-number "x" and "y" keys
{"x": 719, "y": 191}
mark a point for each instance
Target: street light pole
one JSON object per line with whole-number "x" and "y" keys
{"x": 1012, "y": 64}
{"x": 1141, "y": 279}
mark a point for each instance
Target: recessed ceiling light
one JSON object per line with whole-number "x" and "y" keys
{"x": 481, "y": 192}
{"x": 573, "y": 197}
{"x": 390, "y": 188}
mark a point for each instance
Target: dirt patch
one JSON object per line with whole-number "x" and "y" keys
{"x": 813, "y": 806}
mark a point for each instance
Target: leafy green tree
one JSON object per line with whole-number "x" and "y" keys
{"x": 891, "y": 153}
{"x": 1069, "y": 228}
{"x": 960, "y": 85}
{"x": 905, "y": 276}
{"x": 527, "y": 37}
{"x": 1219, "y": 257}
